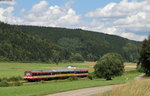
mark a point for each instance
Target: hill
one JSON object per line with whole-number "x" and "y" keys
{"x": 48, "y": 44}
{"x": 16, "y": 45}
{"x": 90, "y": 45}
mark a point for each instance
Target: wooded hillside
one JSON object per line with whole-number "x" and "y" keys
{"x": 16, "y": 45}
{"x": 91, "y": 45}
{"x": 46, "y": 44}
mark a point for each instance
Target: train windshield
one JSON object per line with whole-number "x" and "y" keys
{"x": 28, "y": 74}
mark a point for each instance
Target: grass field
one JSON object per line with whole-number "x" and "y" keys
{"x": 137, "y": 88}
{"x": 17, "y": 69}
{"x": 40, "y": 88}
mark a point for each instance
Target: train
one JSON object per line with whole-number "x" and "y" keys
{"x": 36, "y": 75}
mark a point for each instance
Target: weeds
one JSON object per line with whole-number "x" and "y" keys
{"x": 12, "y": 81}
{"x": 73, "y": 78}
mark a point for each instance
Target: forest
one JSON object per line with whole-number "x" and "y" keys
{"x": 51, "y": 44}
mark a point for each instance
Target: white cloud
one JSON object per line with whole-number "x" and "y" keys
{"x": 42, "y": 14}
{"x": 6, "y": 15}
{"x": 40, "y": 7}
{"x": 126, "y": 18}
{"x": 8, "y": 2}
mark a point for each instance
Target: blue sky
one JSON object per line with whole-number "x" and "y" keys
{"x": 126, "y": 18}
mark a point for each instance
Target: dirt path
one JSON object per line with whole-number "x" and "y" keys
{"x": 86, "y": 91}
{"x": 90, "y": 91}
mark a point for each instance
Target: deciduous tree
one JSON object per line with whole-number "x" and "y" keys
{"x": 109, "y": 65}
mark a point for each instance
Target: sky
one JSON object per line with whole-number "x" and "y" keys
{"x": 125, "y": 18}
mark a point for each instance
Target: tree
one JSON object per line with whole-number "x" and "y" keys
{"x": 109, "y": 65}
{"x": 144, "y": 60}
{"x": 77, "y": 57}
{"x": 56, "y": 57}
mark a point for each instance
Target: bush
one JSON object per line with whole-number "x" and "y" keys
{"x": 110, "y": 65}
{"x": 5, "y": 79}
{"x": 15, "y": 78}
{"x": 91, "y": 76}
{"x": 13, "y": 81}
{"x": 18, "y": 83}
{"x": 73, "y": 78}
{"x": 4, "y": 83}
{"x": 0, "y": 79}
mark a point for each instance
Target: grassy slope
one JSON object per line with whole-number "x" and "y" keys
{"x": 138, "y": 88}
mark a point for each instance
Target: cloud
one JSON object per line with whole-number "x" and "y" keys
{"x": 6, "y": 15}
{"x": 126, "y": 19}
{"x": 69, "y": 4}
{"x": 45, "y": 15}
{"x": 129, "y": 19}
{"x": 8, "y": 2}
{"x": 42, "y": 14}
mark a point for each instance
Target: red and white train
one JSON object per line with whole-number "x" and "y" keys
{"x": 52, "y": 74}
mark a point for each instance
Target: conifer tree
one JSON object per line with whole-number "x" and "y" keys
{"x": 144, "y": 60}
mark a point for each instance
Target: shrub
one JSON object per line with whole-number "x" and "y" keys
{"x": 73, "y": 78}
{"x": 0, "y": 79}
{"x": 90, "y": 77}
{"x": 15, "y": 78}
{"x": 110, "y": 65}
{"x": 4, "y": 83}
{"x": 4, "y": 79}
{"x": 18, "y": 83}
{"x": 13, "y": 81}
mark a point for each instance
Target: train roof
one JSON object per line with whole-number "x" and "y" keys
{"x": 59, "y": 70}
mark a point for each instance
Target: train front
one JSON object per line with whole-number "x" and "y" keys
{"x": 28, "y": 75}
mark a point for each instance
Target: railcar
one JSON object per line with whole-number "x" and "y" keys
{"x": 36, "y": 75}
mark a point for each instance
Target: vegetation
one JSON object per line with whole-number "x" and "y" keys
{"x": 47, "y": 44}
{"x": 16, "y": 45}
{"x": 73, "y": 78}
{"x": 14, "y": 69}
{"x": 144, "y": 61}
{"x": 12, "y": 81}
{"x": 61, "y": 85}
{"x": 138, "y": 88}
{"x": 9, "y": 70}
{"x": 110, "y": 65}
{"x": 89, "y": 45}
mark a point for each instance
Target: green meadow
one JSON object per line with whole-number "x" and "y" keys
{"x": 17, "y": 69}
{"x": 54, "y": 86}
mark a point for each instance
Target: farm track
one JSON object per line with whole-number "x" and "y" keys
{"x": 91, "y": 91}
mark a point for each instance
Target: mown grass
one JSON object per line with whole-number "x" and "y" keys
{"x": 17, "y": 69}
{"x": 41, "y": 88}
{"x": 137, "y": 88}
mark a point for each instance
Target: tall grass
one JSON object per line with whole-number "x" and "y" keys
{"x": 137, "y": 88}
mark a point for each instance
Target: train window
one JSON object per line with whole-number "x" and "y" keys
{"x": 64, "y": 72}
{"x": 71, "y": 72}
{"x": 28, "y": 74}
